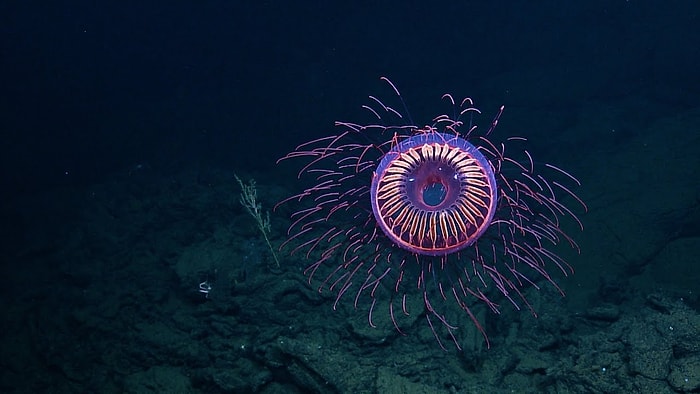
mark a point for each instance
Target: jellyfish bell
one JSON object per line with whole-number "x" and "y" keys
{"x": 433, "y": 193}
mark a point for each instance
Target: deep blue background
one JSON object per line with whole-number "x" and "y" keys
{"x": 100, "y": 270}
{"x": 89, "y": 88}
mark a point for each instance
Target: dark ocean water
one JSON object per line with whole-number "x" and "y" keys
{"x": 129, "y": 264}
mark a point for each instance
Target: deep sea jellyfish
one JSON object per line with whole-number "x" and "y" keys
{"x": 429, "y": 220}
